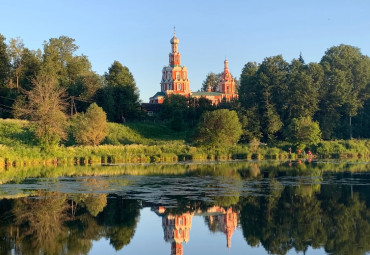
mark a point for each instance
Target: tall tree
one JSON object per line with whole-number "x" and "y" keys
{"x": 263, "y": 92}
{"x": 44, "y": 105}
{"x": 303, "y": 92}
{"x": 120, "y": 97}
{"x": 4, "y": 62}
{"x": 31, "y": 64}
{"x": 248, "y": 85}
{"x": 58, "y": 53}
{"x": 347, "y": 73}
{"x": 72, "y": 71}
{"x": 15, "y": 51}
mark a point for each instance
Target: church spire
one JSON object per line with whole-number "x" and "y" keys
{"x": 174, "y": 55}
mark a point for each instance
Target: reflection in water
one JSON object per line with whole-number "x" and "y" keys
{"x": 276, "y": 209}
{"x": 176, "y": 228}
{"x": 224, "y": 220}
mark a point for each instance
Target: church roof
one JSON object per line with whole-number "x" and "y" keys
{"x": 205, "y": 93}
{"x": 160, "y": 93}
{"x": 174, "y": 39}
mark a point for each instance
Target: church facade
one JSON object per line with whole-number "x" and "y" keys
{"x": 175, "y": 81}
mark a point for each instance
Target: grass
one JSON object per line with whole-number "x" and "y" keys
{"x": 142, "y": 142}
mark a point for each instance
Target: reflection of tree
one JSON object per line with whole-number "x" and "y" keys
{"x": 348, "y": 227}
{"x": 83, "y": 228}
{"x": 251, "y": 171}
{"x": 293, "y": 217}
{"x": 6, "y": 230}
{"x": 95, "y": 203}
{"x": 120, "y": 218}
{"x": 41, "y": 220}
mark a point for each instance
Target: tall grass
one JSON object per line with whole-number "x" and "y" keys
{"x": 149, "y": 143}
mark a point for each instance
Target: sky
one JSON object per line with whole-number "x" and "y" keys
{"x": 137, "y": 33}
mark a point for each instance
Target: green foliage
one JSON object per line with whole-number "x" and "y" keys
{"x": 347, "y": 76}
{"x": 16, "y": 133}
{"x": 304, "y": 131}
{"x": 218, "y": 128}
{"x": 120, "y": 97}
{"x": 44, "y": 106}
{"x": 303, "y": 92}
{"x": 183, "y": 113}
{"x": 211, "y": 81}
{"x": 4, "y": 62}
{"x": 91, "y": 128}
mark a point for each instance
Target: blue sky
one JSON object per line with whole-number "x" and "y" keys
{"x": 137, "y": 33}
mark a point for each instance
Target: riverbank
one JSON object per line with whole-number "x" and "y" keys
{"x": 113, "y": 154}
{"x": 151, "y": 143}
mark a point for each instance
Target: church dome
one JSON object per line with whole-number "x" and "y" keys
{"x": 174, "y": 40}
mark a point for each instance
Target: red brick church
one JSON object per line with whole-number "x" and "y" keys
{"x": 175, "y": 81}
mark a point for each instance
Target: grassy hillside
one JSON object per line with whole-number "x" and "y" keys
{"x": 148, "y": 133}
{"x": 16, "y": 133}
{"x": 20, "y": 133}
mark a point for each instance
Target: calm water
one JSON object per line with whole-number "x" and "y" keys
{"x": 228, "y": 208}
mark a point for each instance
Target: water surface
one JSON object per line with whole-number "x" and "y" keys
{"x": 222, "y": 208}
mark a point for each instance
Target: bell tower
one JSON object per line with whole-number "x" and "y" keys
{"x": 175, "y": 57}
{"x": 227, "y": 83}
{"x": 174, "y": 76}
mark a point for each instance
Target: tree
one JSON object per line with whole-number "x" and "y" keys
{"x": 218, "y": 128}
{"x": 31, "y": 64}
{"x": 58, "y": 54}
{"x": 91, "y": 128}
{"x": 72, "y": 71}
{"x": 120, "y": 97}
{"x": 347, "y": 74}
{"x": 211, "y": 81}
{"x": 45, "y": 106}
{"x": 175, "y": 109}
{"x": 4, "y": 62}
{"x": 15, "y": 51}
{"x": 248, "y": 85}
{"x": 303, "y": 92}
{"x": 271, "y": 123}
{"x": 304, "y": 131}
{"x": 263, "y": 93}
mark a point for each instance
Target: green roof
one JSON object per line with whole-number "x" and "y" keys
{"x": 158, "y": 94}
{"x": 205, "y": 93}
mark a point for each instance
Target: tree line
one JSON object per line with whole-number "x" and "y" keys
{"x": 45, "y": 86}
{"x": 297, "y": 102}
{"x": 115, "y": 91}
{"x": 334, "y": 93}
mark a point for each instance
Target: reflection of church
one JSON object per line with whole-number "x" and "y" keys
{"x": 175, "y": 81}
{"x": 176, "y": 228}
{"x": 225, "y": 220}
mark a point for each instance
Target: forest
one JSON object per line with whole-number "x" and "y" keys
{"x": 299, "y": 103}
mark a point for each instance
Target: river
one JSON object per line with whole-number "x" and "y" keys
{"x": 191, "y": 208}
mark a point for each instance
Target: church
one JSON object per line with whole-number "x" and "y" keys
{"x": 175, "y": 81}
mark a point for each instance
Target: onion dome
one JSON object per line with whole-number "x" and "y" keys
{"x": 174, "y": 40}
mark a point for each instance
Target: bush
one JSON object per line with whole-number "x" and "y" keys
{"x": 91, "y": 128}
